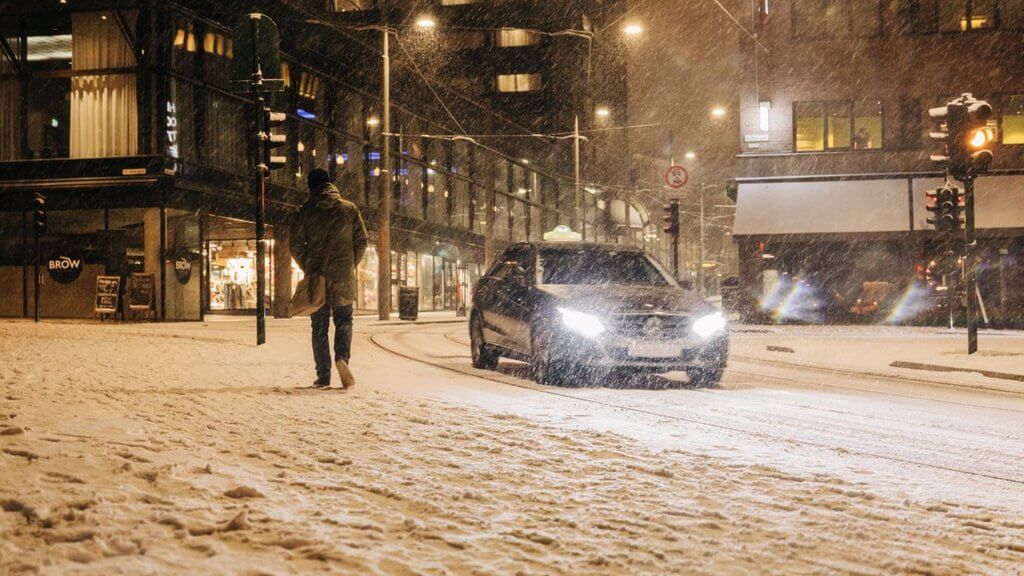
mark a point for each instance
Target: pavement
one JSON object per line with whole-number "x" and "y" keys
{"x": 933, "y": 354}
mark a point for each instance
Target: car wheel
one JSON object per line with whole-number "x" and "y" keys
{"x": 705, "y": 377}
{"x": 484, "y": 357}
{"x": 546, "y": 369}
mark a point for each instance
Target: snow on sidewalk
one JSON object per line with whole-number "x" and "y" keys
{"x": 184, "y": 449}
{"x": 874, "y": 349}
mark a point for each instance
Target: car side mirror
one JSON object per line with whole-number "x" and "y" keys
{"x": 520, "y": 277}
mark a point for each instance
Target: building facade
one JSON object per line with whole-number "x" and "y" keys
{"x": 831, "y": 180}
{"x": 125, "y": 116}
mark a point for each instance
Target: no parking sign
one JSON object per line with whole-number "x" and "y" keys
{"x": 676, "y": 176}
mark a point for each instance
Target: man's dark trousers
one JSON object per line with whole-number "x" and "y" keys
{"x": 321, "y": 320}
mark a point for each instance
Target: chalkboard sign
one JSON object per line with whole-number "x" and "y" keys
{"x": 140, "y": 291}
{"x": 107, "y": 290}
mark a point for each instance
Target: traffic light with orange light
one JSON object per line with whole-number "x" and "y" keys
{"x": 671, "y": 218}
{"x": 945, "y": 203}
{"x": 961, "y": 127}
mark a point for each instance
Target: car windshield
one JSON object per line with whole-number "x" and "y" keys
{"x": 586, "y": 266}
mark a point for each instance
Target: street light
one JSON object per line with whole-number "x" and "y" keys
{"x": 426, "y": 22}
{"x": 718, "y": 112}
{"x": 633, "y": 29}
{"x": 691, "y": 155}
{"x": 602, "y": 112}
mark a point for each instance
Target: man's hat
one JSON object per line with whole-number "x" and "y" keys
{"x": 317, "y": 177}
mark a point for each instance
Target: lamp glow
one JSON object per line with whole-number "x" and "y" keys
{"x": 426, "y": 22}
{"x": 583, "y": 324}
{"x": 633, "y": 29}
{"x": 708, "y": 326}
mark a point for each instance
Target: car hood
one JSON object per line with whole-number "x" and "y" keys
{"x": 624, "y": 299}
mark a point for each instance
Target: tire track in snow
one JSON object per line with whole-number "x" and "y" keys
{"x": 398, "y": 334}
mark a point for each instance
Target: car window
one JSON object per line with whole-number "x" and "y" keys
{"x": 587, "y": 266}
{"x": 510, "y": 259}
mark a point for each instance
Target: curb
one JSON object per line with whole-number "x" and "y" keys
{"x": 937, "y": 368}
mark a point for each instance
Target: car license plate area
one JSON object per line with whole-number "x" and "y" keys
{"x": 664, "y": 349}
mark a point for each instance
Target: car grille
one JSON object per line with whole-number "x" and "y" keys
{"x": 662, "y": 326}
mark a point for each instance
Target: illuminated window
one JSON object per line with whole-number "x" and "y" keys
{"x": 809, "y": 126}
{"x": 513, "y": 37}
{"x": 822, "y": 126}
{"x": 518, "y": 82}
{"x": 350, "y": 5}
{"x": 457, "y": 2}
{"x": 1012, "y": 121}
{"x": 930, "y": 16}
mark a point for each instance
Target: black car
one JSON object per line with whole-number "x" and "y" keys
{"x": 570, "y": 308}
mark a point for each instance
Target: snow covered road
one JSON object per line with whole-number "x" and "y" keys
{"x": 184, "y": 449}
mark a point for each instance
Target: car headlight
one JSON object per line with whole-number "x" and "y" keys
{"x": 708, "y": 326}
{"x": 582, "y": 324}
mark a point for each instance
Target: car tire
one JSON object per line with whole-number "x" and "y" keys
{"x": 705, "y": 377}
{"x": 484, "y": 357}
{"x": 547, "y": 370}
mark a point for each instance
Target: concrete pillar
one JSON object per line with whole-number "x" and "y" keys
{"x": 282, "y": 272}
{"x": 151, "y": 249}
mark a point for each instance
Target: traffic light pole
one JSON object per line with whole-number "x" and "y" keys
{"x": 35, "y": 235}
{"x": 971, "y": 268}
{"x": 259, "y": 186}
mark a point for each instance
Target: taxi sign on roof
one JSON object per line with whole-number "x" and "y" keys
{"x": 562, "y": 233}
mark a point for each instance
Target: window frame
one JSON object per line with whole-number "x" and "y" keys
{"x": 910, "y": 28}
{"x": 850, "y": 106}
{"x": 823, "y": 34}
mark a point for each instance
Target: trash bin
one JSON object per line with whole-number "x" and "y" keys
{"x": 408, "y": 302}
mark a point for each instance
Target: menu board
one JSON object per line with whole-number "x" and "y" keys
{"x": 107, "y": 290}
{"x": 140, "y": 291}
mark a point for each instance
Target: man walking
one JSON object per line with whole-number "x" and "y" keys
{"x": 329, "y": 238}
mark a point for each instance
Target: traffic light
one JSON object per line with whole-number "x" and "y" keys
{"x": 945, "y": 203}
{"x": 271, "y": 141}
{"x": 671, "y": 218}
{"x": 39, "y": 213}
{"x": 979, "y": 136}
{"x": 961, "y": 127}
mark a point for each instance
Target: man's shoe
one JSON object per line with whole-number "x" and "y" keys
{"x": 347, "y": 379}
{"x": 322, "y": 382}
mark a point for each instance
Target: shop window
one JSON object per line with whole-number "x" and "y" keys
{"x": 1012, "y": 121}
{"x": 515, "y": 37}
{"x": 367, "y": 278}
{"x": 14, "y": 255}
{"x": 511, "y": 83}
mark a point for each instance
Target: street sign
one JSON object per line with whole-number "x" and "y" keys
{"x": 256, "y": 48}
{"x": 676, "y": 177}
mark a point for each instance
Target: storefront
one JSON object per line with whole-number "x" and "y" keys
{"x": 827, "y": 249}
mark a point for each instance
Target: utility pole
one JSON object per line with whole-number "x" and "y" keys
{"x": 386, "y": 183}
{"x": 700, "y": 257}
{"x": 579, "y": 215}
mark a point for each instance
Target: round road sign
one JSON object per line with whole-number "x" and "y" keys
{"x": 676, "y": 176}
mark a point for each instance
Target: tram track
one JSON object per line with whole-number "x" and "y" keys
{"x": 377, "y": 340}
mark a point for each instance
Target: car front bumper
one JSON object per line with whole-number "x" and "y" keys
{"x": 617, "y": 351}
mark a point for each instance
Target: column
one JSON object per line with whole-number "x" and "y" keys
{"x": 282, "y": 272}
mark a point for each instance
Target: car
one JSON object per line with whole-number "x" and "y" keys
{"x": 571, "y": 309}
